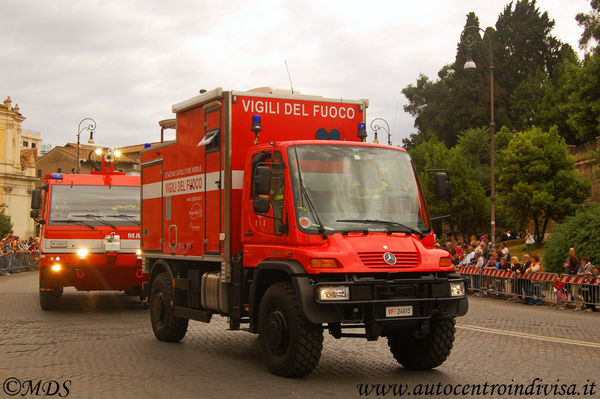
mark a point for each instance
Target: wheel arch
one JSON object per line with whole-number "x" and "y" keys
{"x": 159, "y": 266}
{"x": 266, "y": 274}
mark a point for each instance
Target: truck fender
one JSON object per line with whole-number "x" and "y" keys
{"x": 158, "y": 267}
{"x": 273, "y": 271}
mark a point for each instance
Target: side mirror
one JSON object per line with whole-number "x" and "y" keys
{"x": 36, "y": 199}
{"x": 260, "y": 205}
{"x": 262, "y": 180}
{"x": 34, "y": 213}
{"x": 442, "y": 185}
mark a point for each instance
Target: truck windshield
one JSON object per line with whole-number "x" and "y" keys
{"x": 95, "y": 205}
{"x": 356, "y": 188}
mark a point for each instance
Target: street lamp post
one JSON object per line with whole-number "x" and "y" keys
{"x": 376, "y": 125}
{"x": 90, "y": 127}
{"x": 470, "y": 64}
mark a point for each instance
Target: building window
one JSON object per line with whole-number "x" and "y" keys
{"x": 59, "y": 170}
{"x": 33, "y": 145}
{"x": 25, "y": 144}
{"x": 39, "y": 173}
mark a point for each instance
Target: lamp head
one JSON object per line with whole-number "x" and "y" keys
{"x": 470, "y": 64}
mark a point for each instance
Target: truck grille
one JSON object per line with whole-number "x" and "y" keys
{"x": 403, "y": 259}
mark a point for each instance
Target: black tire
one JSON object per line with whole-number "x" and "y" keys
{"x": 424, "y": 353}
{"x": 290, "y": 343}
{"x": 166, "y": 326}
{"x": 49, "y": 300}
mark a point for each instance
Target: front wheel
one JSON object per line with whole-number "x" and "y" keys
{"x": 424, "y": 353}
{"x": 166, "y": 326}
{"x": 49, "y": 300}
{"x": 290, "y": 343}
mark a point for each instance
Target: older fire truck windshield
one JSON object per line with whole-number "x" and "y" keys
{"x": 95, "y": 205}
{"x": 341, "y": 188}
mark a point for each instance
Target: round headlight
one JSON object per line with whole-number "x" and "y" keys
{"x": 82, "y": 252}
{"x": 138, "y": 252}
{"x": 56, "y": 267}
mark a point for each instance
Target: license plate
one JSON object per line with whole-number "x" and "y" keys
{"x": 398, "y": 311}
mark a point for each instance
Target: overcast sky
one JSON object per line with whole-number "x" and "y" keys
{"x": 125, "y": 62}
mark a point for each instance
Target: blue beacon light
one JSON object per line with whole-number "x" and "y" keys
{"x": 57, "y": 176}
{"x": 256, "y": 127}
{"x": 362, "y": 131}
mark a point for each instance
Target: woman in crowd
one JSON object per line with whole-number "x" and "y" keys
{"x": 536, "y": 286}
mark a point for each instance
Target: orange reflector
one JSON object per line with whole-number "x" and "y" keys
{"x": 445, "y": 262}
{"x": 323, "y": 263}
{"x": 246, "y": 308}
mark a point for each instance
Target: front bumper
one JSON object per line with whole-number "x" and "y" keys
{"x": 117, "y": 272}
{"x": 429, "y": 297}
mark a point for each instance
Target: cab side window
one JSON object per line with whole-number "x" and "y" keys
{"x": 277, "y": 192}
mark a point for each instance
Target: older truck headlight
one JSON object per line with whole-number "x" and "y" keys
{"x": 334, "y": 293}
{"x": 82, "y": 252}
{"x": 457, "y": 288}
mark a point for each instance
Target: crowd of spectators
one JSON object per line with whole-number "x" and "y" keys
{"x": 18, "y": 254}
{"x": 478, "y": 254}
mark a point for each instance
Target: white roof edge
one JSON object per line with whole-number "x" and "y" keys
{"x": 218, "y": 92}
{"x": 307, "y": 97}
{"x": 202, "y": 98}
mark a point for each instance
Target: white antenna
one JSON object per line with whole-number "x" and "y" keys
{"x": 289, "y": 77}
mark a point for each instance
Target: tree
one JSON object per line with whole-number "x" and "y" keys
{"x": 475, "y": 145}
{"x": 470, "y": 206}
{"x": 537, "y": 178}
{"x": 6, "y": 225}
{"x": 591, "y": 25}
{"x": 583, "y": 102}
{"x": 525, "y": 55}
{"x": 575, "y": 233}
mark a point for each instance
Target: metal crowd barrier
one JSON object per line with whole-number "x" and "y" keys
{"x": 578, "y": 290}
{"x": 18, "y": 261}
{"x": 536, "y": 288}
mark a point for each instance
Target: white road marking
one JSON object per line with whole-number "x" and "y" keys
{"x": 530, "y": 336}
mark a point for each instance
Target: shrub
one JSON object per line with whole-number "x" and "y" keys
{"x": 580, "y": 231}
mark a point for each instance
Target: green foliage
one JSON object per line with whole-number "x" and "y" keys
{"x": 6, "y": 225}
{"x": 470, "y": 206}
{"x": 591, "y": 25}
{"x": 583, "y": 102}
{"x": 533, "y": 82}
{"x": 580, "y": 232}
{"x": 537, "y": 178}
{"x": 474, "y": 144}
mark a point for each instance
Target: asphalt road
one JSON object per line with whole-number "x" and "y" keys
{"x": 101, "y": 345}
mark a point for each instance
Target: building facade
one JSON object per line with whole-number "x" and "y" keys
{"x": 18, "y": 157}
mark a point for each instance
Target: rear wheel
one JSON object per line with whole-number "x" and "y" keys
{"x": 424, "y": 353}
{"x": 290, "y": 343}
{"x": 49, "y": 300}
{"x": 166, "y": 326}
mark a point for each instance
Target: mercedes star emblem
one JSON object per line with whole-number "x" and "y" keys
{"x": 389, "y": 258}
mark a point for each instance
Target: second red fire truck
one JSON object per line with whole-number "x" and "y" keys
{"x": 90, "y": 233}
{"x": 270, "y": 209}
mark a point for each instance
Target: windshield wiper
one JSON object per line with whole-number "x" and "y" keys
{"x": 124, "y": 216}
{"x": 405, "y": 228}
{"x": 81, "y": 222}
{"x": 98, "y": 218}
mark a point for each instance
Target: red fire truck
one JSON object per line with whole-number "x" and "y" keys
{"x": 90, "y": 232}
{"x": 271, "y": 210}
